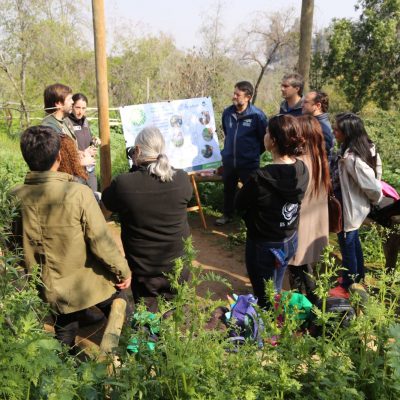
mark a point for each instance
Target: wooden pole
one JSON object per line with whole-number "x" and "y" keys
{"x": 306, "y": 23}
{"x": 197, "y": 196}
{"x": 113, "y": 329}
{"x": 102, "y": 90}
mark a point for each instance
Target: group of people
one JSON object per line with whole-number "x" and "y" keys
{"x": 61, "y": 227}
{"x": 284, "y": 204}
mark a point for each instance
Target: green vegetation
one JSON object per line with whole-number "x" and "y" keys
{"x": 357, "y": 63}
{"x": 359, "y": 361}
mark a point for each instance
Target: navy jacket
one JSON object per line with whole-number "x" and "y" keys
{"x": 244, "y": 137}
{"x": 326, "y": 127}
{"x": 296, "y": 111}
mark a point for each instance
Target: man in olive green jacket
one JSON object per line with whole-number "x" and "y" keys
{"x": 64, "y": 232}
{"x": 58, "y": 105}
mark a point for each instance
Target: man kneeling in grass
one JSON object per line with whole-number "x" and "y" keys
{"x": 64, "y": 232}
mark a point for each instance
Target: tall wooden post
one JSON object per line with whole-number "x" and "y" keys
{"x": 306, "y": 23}
{"x": 102, "y": 90}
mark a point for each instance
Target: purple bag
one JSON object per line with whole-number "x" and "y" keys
{"x": 244, "y": 321}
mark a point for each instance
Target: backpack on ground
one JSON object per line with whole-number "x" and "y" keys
{"x": 343, "y": 312}
{"x": 243, "y": 320}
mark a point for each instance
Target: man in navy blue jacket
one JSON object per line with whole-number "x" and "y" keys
{"x": 292, "y": 91}
{"x": 244, "y": 127}
{"x": 317, "y": 104}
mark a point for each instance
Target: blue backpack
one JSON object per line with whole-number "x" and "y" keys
{"x": 243, "y": 320}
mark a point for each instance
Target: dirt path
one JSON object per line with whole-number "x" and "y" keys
{"x": 213, "y": 254}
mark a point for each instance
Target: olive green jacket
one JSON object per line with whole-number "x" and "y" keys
{"x": 63, "y": 126}
{"x": 64, "y": 232}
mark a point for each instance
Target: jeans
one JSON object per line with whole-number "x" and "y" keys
{"x": 268, "y": 260}
{"x": 230, "y": 177}
{"x": 352, "y": 257}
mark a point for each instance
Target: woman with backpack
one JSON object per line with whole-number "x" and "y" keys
{"x": 355, "y": 180}
{"x": 271, "y": 202}
{"x": 313, "y": 231}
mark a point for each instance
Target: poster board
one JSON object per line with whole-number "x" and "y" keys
{"x": 188, "y": 127}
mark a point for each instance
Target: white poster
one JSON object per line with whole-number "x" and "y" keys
{"x": 188, "y": 127}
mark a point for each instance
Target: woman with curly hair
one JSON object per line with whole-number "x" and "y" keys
{"x": 271, "y": 202}
{"x": 71, "y": 160}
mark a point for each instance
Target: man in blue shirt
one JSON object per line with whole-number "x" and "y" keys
{"x": 317, "y": 104}
{"x": 244, "y": 126}
{"x": 292, "y": 91}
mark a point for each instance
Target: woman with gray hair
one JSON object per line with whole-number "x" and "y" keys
{"x": 151, "y": 202}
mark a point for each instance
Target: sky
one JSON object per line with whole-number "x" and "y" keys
{"x": 182, "y": 18}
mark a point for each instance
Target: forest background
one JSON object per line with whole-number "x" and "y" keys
{"x": 356, "y": 62}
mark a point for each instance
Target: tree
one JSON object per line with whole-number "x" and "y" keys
{"x": 40, "y": 42}
{"x": 139, "y": 59}
{"x": 320, "y": 48}
{"x": 265, "y": 41}
{"x": 364, "y": 56}
{"x": 306, "y": 23}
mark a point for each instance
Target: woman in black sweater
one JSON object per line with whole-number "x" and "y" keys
{"x": 152, "y": 205}
{"x": 87, "y": 144}
{"x": 271, "y": 203}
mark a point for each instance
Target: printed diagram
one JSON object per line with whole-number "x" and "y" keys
{"x": 205, "y": 118}
{"x": 178, "y": 139}
{"x": 138, "y": 117}
{"x": 207, "y": 152}
{"x": 188, "y": 127}
{"x": 207, "y": 134}
{"x": 176, "y": 121}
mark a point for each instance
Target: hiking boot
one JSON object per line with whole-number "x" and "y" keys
{"x": 223, "y": 221}
{"x": 339, "y": 291}
{"x": 360, "y": 290}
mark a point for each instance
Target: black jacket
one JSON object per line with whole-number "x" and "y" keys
{"x": 271, "y": 200}
{"x": 81, "y": 131}
{"x": 153, "y": 217}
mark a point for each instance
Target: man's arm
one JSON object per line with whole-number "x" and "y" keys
{"x": 247, "y": 195}
{"x": 100, "y": 241}
{"x": 109, "y": 197}
{"x": 262, "y": 130}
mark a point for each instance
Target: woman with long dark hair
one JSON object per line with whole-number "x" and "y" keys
{"x": 86, "y": 142}
{"x": 271, "y": 201}
{"x": 313, "y": 231}
{"x": 355, "y": 179}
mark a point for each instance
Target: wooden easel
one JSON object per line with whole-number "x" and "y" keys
{"x": 196, "y": 194}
